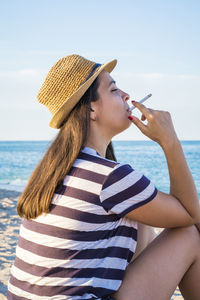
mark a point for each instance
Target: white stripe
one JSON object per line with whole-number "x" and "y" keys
{"x": 78, "y": 204}
{"x": 59, "y": 281}
{"x": 121, "y": 185}
{"x": 82, "y": 184}
{"x": 37, "y": 260}
{"x": 92, "y": 166}
{"x": 145, "y": 194}
{"x": 21, "y": 293}
{"x": 62, "y": 243}
{"x": 73, "y": 224}
{"x": 43, "y": 239}
{"x": 56, "y": 242}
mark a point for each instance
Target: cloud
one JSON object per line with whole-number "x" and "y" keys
{"x": 177, "y": 93}
{"x": 30, "y": 74}
{"x": 18, "y": 88}
{"x": 22, "y": 75}
{"x": 181, "y": 86}
{"x": 46, "y": 52}
{"x": 155, "y": 76}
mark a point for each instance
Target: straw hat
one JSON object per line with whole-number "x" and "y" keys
{"x": 66, "y": 83}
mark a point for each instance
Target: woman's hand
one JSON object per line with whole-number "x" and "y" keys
{"x": 159, "y": 125}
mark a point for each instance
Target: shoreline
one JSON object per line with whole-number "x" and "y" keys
{"x": 9, "y": 231}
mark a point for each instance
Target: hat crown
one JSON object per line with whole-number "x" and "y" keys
{"x": 63, "y": 80}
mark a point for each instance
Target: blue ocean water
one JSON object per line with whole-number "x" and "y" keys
{"x": 19, "y": 158}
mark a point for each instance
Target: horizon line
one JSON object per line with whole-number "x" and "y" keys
{"x": 138, "y": 140}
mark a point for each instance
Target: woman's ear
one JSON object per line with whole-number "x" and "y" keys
{"x": 93, "y": 116}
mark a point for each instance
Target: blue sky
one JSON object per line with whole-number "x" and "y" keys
{"x": 156, "y": 43}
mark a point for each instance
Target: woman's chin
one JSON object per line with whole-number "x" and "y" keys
{"x": 125, "y": 127}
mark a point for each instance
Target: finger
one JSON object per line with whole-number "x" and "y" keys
{"x": 142, "y": 108}
{"x": 139, "y": 124}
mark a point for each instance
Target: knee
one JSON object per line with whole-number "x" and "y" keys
{"x": 189, "y": 233}
{"x": 194, "y": 233}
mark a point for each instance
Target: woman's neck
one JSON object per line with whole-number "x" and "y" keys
{"x": 99, "y": 147}
{"x": 98, "y": 142}
{"x": 98, "y": 139}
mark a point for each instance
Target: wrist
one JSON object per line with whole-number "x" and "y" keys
{"x": 170, "y": 144}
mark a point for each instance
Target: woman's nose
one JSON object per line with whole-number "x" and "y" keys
{"x": 126, "y": 96}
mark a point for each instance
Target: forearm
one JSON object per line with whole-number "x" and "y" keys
{"x": 182, "y": 185}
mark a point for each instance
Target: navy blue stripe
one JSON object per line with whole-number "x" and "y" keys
{"x": 97, "y": 159}
{"x": 50, "y": 291}
{"x": 79, "y": 194}
{"x": 106, "y": 273}
{"x": 130, "y": 192}
{"x": 85, "y": 174}
{"x": 117, "y": 175}
{"x": 129, "y": 209}
{"x": 56, "y": 253}
{"x": 76, "y": 235}
{"x": 82, "y": 216}
{"x": 90, "y": 73}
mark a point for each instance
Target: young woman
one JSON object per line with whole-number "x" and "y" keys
{"x": 86, "y": 217}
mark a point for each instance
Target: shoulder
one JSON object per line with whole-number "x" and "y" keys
{"x": 125, "y": 189}
{"x": 123, "y": 174}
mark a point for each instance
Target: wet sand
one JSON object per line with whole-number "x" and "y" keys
{"x": 9, "y": 230}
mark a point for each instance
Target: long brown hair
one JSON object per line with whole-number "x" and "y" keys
{"x": 59, "y": 157}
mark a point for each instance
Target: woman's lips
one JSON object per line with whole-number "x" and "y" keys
{"x": 129, "y": 111}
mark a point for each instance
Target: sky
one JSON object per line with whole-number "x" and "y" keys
{"x": 156, "y": 44}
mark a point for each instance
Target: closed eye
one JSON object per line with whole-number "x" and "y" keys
{"x": 114, "y": 90}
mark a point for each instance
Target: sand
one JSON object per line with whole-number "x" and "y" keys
{"x": 9, "y": 230}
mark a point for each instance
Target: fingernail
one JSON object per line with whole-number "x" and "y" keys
{"x": 130, "y": 118}
{"x": 133, "y": 101}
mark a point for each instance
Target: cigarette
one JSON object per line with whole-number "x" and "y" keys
{"x": 141, "y": 101}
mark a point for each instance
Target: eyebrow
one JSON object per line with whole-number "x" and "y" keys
{"x": 112, "y": 81}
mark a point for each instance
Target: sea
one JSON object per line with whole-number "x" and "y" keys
{"x": 19, "y": 158}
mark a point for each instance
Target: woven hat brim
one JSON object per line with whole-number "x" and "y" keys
{"x": 68, "y": 105}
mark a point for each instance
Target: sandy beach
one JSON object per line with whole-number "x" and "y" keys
{"x": 9, "y": 229}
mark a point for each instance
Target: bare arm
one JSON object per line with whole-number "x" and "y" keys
{"x": 181, "y": 206}
{"x": 182, "y": 185}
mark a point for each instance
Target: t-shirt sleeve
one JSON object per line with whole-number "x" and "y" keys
{"x": 125, "y": 189}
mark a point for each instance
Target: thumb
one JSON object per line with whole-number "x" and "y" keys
{"x": 138, "y": 123}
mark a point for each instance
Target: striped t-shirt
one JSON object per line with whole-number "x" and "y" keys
{"x": 81, "y": 248}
